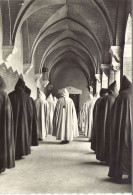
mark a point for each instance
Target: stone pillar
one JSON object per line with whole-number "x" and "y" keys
{"x": 98, "y": 82}
{"x": 104, "y": 80}
{"x": 91, "y": 89}
{"x": 26, "y": 68}
{"x": 38, "y": 82}
{"x": 117, "y": 63}
{"x": 105, "y": 75}
{"x": 45, "y": 77}
{"x": 117, "y": 76}
{"x": 93, "y": 85}
{"x": 111, "y": 76}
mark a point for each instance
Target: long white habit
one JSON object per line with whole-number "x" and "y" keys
{"x": 89, "y": 106}
{"x": 81, "y": 116}
{"x": 65, "y": 121}
{"x": 41, "y": 111}
{"x": 51, "y": 108}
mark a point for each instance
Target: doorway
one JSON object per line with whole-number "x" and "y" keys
{"x": 75, "y": 98}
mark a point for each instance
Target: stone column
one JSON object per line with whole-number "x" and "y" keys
{"x": 98, "y": 82}
{"x": 111, "y": 76}
{"x": 117, "y": 63}
{"x": 27, "y": 67}
{"x": 117, "y": 75}
{"x": 38, "y": 82}
{"x": 105, "y": 75}
{"x": 45, "y": 77}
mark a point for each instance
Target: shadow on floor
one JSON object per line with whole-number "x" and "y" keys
{"x": 3, "y": 173}
{"x": 90, "y": 153}
{"x": 80, "y": 140}
{"x": 52, "y": 143}
{"x": 95, "y": 163}
{"x": 113, "y": 180}
{"x": 21, "y": 158}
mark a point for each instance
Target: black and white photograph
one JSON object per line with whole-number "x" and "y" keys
{"x": 66, "y": 97}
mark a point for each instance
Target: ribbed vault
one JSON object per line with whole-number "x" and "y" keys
{"x": 56, "y": 32}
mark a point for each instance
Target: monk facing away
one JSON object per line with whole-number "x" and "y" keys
{"x": 65, "y": 119}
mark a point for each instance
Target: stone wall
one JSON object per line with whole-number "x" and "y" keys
{"x": 72, "y": 77}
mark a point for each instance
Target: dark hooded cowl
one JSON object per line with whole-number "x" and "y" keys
{"x": 125, "y": 84}
{"x": 120, "y": 161}
{"x": 7, "y": 152}
{"x": 103, "y": 134}
{"x": 113, "y": 88}
{"x": 96, "y": 121}
{"x": 27, "y": 90}
{"x": 20, "y": 106}
{"x": 20, "y": 85}
{"x": 103, "y": 92}
{"x": 33, "y": 116}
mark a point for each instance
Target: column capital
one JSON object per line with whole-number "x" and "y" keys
{"x": 116, "y": 67}
{"x": 45, "y": 82}
{"x": 37, "y": 79}
{"x": 117, "y": 52}
{"x": 117, "y": 56}
{"x": 98, "y": 77}
{"x": 45, "y": 78}
{"x": 27, "y": 67}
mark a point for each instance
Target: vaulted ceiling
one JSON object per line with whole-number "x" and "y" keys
{"x": 60, "y": 33}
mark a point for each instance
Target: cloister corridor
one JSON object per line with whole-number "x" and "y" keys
{"x": 60, "y": 168}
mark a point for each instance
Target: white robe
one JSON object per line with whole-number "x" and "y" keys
{"x": 40, "y": 118}
{"x": 51, "y": 108}
{"x": 81, "y": 116}
{"x": 88, "y": 117}
{"x": 65, "y": 120}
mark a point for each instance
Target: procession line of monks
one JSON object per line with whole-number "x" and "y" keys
{"x": 107, "y": 121}
{"x": 24, "y": 121}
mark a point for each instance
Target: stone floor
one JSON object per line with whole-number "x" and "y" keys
{"x": 56, "y": 168}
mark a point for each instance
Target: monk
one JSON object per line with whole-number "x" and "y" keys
{"x": 33, "y": 122}
{"x": 51, "y": 108}
{"x": 96, "y": 115}
{"x": 7, "y": 148}
{"x": 19, "y": 101}
{"x": 65, "y": 119}
{"x": 88, "y": 116}
{"x": 121, "y": 155}
{"x": 105, "y": 106}
{"x": 42, "y": 110}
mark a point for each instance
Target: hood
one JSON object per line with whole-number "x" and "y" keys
{"x": 27, "y": 90}
{"x": 90, "y": 96}
{"x": 50, "y": 98}
{"x": 113, "y": 88}
{"x": 125, "y": 83}
{"x": 42, "y": 96}
{"x": 2, "y": 83}
{"x": 65, "y": 93}
{"x": 55, "y": 99}
{"x": 103, "y": 92}
{"x": 20, "y": 85}
{"x": 97, "y": 95}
